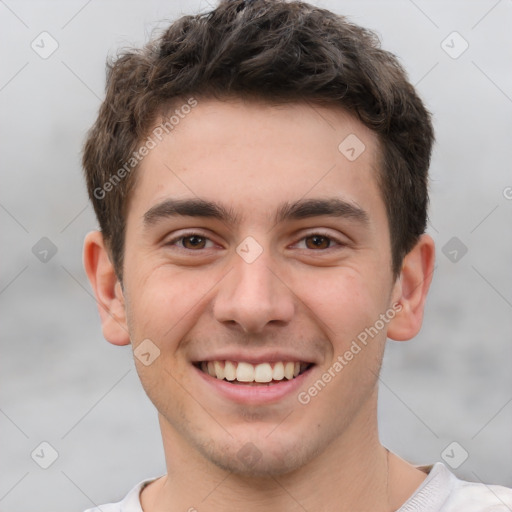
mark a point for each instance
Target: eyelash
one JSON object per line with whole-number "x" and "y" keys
{"x": 200, "y": 235}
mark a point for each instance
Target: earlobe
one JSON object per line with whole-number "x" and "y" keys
{"x": 411, "y": 290}
{"x": 107, "y": 289}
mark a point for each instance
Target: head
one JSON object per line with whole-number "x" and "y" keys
{"x": 260, "y": 127}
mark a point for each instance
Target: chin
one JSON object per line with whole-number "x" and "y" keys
{"x": 259, "y": 457}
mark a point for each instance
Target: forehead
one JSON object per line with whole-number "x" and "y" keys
{"x": 254, "y": 158}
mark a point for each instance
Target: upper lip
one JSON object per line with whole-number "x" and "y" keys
{"x": 256, "y": 358}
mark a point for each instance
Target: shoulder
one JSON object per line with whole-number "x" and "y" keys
{"x": 130, "y": 503}
{"x": 478, "y": 497}
{"x": 442, "y": 491}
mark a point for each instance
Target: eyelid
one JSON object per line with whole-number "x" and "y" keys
{"x": 197, "y": 232}
{"x": 326, "y": 234}
{"x": 188, "y": 234}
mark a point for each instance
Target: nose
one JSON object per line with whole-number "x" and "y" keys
{"x": 254, "y": 295}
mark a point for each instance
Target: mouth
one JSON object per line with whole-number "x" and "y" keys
{"x": 247, "y": 374}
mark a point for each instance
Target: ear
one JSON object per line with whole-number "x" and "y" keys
{"x": 411, "y": 288}
{"x": 107, "y": 289}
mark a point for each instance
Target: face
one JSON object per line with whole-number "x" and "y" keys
{"x": 256, "y": 247}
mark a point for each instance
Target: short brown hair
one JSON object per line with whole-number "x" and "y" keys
{"x": 276, "y": 51}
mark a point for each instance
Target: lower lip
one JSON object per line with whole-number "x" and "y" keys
{"x": 256, "y": 395}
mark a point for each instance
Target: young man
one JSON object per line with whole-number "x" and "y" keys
{"x": 259, "y": 174}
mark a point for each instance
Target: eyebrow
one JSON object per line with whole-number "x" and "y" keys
{"x": 301, "y": 209}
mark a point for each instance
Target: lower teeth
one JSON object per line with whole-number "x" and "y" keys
{"x": 254, "y": 383}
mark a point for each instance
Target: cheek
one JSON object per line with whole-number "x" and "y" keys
{"x": 165, "y": 305}
{"x": 343, "y": 300}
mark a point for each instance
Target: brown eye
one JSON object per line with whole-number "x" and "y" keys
{"x": 317, "y": 242}
{"x": 193, "y": 242}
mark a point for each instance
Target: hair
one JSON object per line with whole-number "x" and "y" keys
{"x": 278, "y": 52}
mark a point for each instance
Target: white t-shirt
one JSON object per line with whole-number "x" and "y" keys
{"x": 441, "y": 491}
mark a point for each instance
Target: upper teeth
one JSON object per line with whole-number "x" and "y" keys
{"x": 247, "y": 372}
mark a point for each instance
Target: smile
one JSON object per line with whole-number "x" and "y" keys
{"x": 241, "y": 372}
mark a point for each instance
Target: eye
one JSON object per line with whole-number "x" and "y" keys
{"x": 319, "y": 241}
{"x": 190, "y": 241}
{"x": 194, "y": 241}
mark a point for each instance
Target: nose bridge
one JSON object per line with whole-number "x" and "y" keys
{"x": 253, "y": 295}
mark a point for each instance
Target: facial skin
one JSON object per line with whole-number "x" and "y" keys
{"x": 198, "y": 298}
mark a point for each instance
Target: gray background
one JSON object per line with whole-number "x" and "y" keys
{"x": 63, "y": 384}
